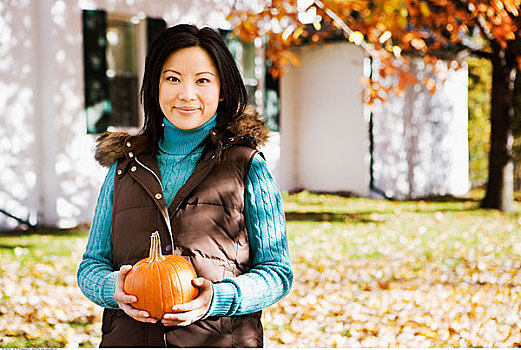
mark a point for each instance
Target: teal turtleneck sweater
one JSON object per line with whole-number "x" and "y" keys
{"x": 270, "y": 277}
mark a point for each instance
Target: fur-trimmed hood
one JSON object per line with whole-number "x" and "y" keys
{"x": 247, "y": 129}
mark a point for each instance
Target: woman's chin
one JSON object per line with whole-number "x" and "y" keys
{"x": 187, "y": 122}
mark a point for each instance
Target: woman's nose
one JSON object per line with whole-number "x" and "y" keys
{"x": 188, "y": 92}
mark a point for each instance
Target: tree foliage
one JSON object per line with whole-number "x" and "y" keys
{"x": 432, "y": 29}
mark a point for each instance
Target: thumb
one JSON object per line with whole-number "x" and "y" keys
{"x": 199, "y": 282}
{"x": 120, "y": 278}
{"x": 125, "y": 269}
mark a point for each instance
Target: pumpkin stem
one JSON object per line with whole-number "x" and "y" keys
{"x": 155, "y": 248}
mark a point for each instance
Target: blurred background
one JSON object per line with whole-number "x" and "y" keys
{"x": 384, "y": 165}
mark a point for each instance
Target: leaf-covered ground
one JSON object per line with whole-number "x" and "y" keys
{"x": 40, "y": 303}
{"x": 368, "y": 273}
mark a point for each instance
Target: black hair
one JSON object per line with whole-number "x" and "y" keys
{"x": 232, "y": 91}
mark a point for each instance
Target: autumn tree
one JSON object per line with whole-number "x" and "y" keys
{"x": 432, "y": 29}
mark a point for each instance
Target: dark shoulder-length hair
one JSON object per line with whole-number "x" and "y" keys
{"x": 233, "y": 93}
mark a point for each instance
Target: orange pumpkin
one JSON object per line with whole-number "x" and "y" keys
{"x": 160, "y": 282}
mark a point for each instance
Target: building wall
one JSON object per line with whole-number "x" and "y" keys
{"x": 324, "y": 136}
{"x": 420, "y": 139}
{"x": 19, "y": 127}
{"x": 49, "y": 173}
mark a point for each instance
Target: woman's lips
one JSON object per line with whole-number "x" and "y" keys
{"x": 187, "y": 109}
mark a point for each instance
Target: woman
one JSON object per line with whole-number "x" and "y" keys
{"x": 193, "y": 175}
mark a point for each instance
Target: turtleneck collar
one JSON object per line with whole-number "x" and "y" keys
{"x": 179, "y": 141}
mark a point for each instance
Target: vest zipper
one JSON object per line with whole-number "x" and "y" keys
{"x": 168, "y": 225}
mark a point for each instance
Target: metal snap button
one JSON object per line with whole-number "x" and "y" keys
{"x": 168, "y": 248}
{"x": 120, "y": 171}
{"x": 129, "y": 144}
{"x": 133, "y": 168}
{"x": 158, "y": 196}
{"x": 130, "y": 155}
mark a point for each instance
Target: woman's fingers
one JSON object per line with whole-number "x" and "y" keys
{"x": 181, "y": 319}
{"x": 138, "y": 315}
{"x": 124, "y": 299}
{"x": 123, "y": 273}
{"x": 120, "y": 279}
{"x": 188, "y": 313}
{"x": 181, "y": 315}
{"x": 119, "y": 293}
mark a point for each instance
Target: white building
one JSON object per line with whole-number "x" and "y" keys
{"x": 414, "y": 145}
{"x": 50, "y": 112}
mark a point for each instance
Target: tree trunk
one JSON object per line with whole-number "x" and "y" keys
{"x": 500, "y": 190}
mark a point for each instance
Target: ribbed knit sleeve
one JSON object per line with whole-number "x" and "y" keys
{"x": 271, "y": 276}
{"x": 96, "y": 275}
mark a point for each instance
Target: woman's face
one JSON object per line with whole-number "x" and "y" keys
{"x": 189, "y": 88}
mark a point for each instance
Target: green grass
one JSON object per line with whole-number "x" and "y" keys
{"x": 41, "y": 245}
{"x": 373, "y": 265}
{"x": 345, "y": 252}
{"x": 373, "y": 228}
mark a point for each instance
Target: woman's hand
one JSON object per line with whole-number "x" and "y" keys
{"x": 124, "y": 300}
{"x": 186, "y": 314}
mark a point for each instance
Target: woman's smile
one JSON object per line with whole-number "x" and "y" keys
{"x": 185, "y": 109}
{"x": 189, "y": 88}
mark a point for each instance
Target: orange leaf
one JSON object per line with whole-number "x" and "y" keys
{"x": 510, "y": 36}
{"x": 298, "y": 32}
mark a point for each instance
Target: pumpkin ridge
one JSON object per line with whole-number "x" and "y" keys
{"x": 144, "y": 272}
{"x": 170, "y": 292}
{"x": 189, "y": 287}
{"x": 186, "y": 288}
{"x": 160, "y": 288}
{"x": 149, "y": 287}
{"x": 157, "y": 286}
{"x": 132, "y": 287}
{"x": 179, "y": 287}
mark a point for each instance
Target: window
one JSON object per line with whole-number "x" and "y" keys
{"x": 122, "y": 74}
{"x": 244, "y": 54}
{"x": 114, "y": 48}
{"x": 262, "y": 88}
{"x": 272, "y": 101}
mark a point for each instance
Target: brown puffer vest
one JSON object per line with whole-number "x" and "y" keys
{"x": 207, "y": 226}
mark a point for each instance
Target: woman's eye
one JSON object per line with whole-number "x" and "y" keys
{"x": 203, "y": 80}
{"x": 172, "y": 79}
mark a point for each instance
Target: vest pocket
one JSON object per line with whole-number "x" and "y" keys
{"x": 131, "y": 229}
